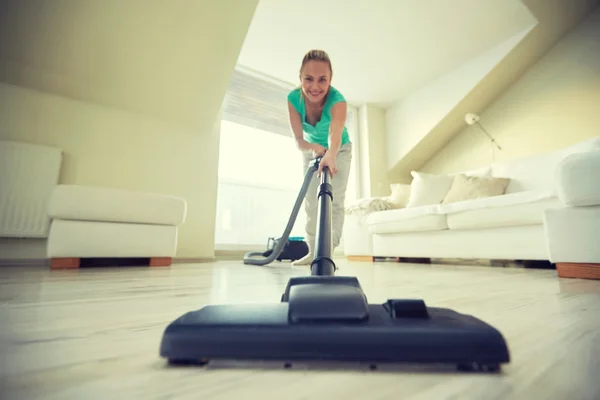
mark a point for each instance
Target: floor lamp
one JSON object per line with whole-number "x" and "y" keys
{"x": 473, "y": 119}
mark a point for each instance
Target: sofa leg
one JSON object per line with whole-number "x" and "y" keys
{"x": 161, "y": 261}
{"x": 361, "y": 258}
{"x": 578, "y": 270}
{"x": 63, "y": 263}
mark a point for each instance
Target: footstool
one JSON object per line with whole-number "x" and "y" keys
{"x": 573, "y": 231}
{"x": 90, "y": 222}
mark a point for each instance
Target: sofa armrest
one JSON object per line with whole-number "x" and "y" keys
{"x": 578, "y": 179}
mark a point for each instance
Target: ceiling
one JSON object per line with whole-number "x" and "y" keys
{"x": 381, "y": 50}
{"x": 555, "y": 18}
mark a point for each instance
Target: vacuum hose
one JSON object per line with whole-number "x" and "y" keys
{"x": 258, "y": 257}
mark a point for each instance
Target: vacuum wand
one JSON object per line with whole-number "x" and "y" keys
{"x": 322, "y": 263}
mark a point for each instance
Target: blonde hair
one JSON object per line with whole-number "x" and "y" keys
{"x": 316, "y": 55}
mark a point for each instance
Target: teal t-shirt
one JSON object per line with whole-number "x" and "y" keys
{"x": 318, "y": 133}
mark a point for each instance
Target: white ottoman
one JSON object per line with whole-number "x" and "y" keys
{"x": 97, "y": 222}
{"x": 573, "y": 232}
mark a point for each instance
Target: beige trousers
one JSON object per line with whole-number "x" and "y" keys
{"x": 339, "y": 182}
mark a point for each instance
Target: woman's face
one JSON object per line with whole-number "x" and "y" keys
{"x": 315, "y": 80}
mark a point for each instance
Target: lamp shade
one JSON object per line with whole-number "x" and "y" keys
{"x": 471, "y": 118}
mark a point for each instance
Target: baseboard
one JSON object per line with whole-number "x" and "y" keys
{"x": 193, "y": 260}
{"x": 25, "y": 249}
{"x": 24, "y": 262}
{"x": 45, "y": 262}
{"x": 230, "y": 254}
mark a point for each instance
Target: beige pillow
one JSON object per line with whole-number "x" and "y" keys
{"x": 475, "y": 187}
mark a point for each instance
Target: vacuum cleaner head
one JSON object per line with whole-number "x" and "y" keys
{"x": 329, "y": 319}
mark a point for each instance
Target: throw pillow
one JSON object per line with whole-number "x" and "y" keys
{"x": 400, "y": 195}
{"x": 427, "y": 189}
{"x": 474, "y": 187}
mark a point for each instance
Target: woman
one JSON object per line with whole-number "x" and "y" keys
{"x": 318, "y": 117}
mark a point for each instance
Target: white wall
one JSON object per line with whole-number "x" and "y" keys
{"x": 130, "y": 90}
{"x": 373, "y": 162}
{"x": 363, "y": 141}
{"x": 412, "y": 118}
{"x": 554, "y": 104}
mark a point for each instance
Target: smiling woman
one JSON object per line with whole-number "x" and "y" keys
{"x": 318, "y": 114}
{"x": 260, "y": 167}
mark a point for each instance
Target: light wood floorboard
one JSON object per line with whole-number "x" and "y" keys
{"x": 94, "y": 333}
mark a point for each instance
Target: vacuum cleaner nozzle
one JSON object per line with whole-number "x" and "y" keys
{"x": 329, "y": 319}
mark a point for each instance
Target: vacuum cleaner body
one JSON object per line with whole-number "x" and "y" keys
{"x": 294, "y": 248}
{"x": 328, "y": 317}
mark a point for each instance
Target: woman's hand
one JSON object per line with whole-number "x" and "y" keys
{"x": 328, "y": 161}
{"x": 317, "y": 149}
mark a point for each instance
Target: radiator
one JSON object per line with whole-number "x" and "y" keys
{"x": 28, "y": 174}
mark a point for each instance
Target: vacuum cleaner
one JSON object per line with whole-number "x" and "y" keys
{"x": 294, "y": 248}
{"x": 274, "y": 253}
{"x": 324, "y": 317}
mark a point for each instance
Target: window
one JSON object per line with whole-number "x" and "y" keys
{"x": 260, "y": 168}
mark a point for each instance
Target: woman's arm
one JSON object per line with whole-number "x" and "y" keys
{"x": 338, "y": 121}
{"x": 296, "y": 123}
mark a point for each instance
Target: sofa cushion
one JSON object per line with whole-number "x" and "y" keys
{"x": 417, "y": 219}
{"x": 529, "y": 173}
{"x": 475, "y": 187}
{"x": 577, "y": 181}
{"x": 427, "y": 189}
{"x": 400, "y": 194}
{"x": 530, "y": 196}
{"x": 538, "y": 171}
{"x": 105, "y": 239}
{"x": 88, "y": 203}
{"x": 526, "y": 213}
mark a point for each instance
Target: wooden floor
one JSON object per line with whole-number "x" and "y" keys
{"x": 94, "y": 333}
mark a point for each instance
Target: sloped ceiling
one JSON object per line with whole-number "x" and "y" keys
{"x": 381, "y": 50}
{"x": 170, "y": 59}
{"x": 555, "y": 18}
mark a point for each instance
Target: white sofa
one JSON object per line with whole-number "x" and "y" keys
{"x": 520, "y": 217}
{"x": 98, "y": 222}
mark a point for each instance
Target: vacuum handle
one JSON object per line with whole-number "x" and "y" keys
{"x": 322, "y": 263}
{"x": 325, "y": 176}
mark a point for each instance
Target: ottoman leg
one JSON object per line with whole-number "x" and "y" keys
{"x": 161, "y": 261}
{"x": 578, "y": 270}
{"x": 63, "y": 263}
